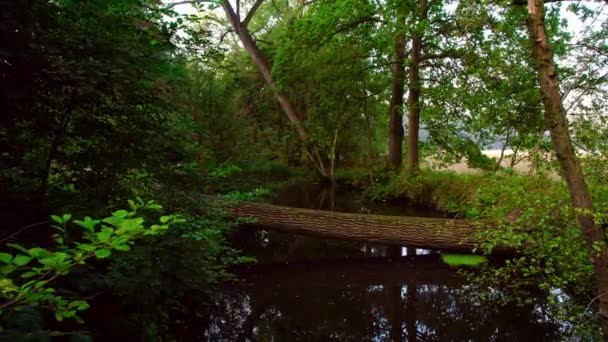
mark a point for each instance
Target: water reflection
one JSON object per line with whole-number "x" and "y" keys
{"x": 309, "y": 289}
{"x": 416, "y": 299}
{"x": 322, "y": 196}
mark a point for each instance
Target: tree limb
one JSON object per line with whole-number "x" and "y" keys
{"x": 185, "y": 2}
{"x": 444, "y": 54}
{"x": 252, "y": 11}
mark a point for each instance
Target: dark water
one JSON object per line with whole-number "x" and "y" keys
{"x": 310, "y": 289}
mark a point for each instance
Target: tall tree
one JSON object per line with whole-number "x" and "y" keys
{"x": 240, "y": 28}
{"x": 557, "y": 123}
{"x": 395, "y": 127}
{"x": 413, "y": 101}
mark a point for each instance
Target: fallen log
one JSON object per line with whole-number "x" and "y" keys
{"x": 446, "y": 234}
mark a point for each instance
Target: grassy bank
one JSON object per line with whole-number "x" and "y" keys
{"x": 531, "y": 213}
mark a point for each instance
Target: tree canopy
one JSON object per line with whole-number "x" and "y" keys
{"x": 106, "y": 101}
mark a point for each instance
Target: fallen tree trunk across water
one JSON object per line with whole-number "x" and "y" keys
{"x": 446, "y": 234}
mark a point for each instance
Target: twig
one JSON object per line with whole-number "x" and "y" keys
{"x": 22, "y": 229}
{"x": 586, "y": 309}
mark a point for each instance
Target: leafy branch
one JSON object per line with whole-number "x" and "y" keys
{"x": 27, "y": 276}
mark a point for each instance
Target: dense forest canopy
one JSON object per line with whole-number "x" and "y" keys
{"x": 106, "y": 101}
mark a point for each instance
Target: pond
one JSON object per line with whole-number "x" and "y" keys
{"x": 311, "y": 289}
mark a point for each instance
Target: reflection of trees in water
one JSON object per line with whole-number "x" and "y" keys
{"x": 288, "y": 312}
{"x": 298, "y": 315}
{"x": 343, "y": 198}
{"x": 453, "y": 313}
{"x": 269, "y": 246}
{"x": 298, "y": 299}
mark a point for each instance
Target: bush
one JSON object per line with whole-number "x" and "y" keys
{"x": 531, "y": 213}
{"x": 28, "y": 275}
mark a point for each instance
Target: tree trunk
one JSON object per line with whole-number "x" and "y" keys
{"x": 556, "y": 121}
{"x": 412, "y": 298}
{"x": 264, "y": 68}
{"x": 370, "y": 136}
{"x": 394, "y": 308}
{"x": 395, "y": 111}
{"x": 413, "y": 100}
{"x": 420, "y": 232}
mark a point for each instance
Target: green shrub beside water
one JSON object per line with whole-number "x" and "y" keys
{"x": 530, "y": 213}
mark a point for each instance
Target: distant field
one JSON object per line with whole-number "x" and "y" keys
{"x": 461, "y": 167}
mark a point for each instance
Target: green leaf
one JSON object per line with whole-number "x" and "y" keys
{"x": 6, "y": 258}
{"x": 57, "y": 219}
{"x": 40, "y": 283}
{"x": 69, "y": 313}
{"x": 6, "y": 285}
{"x": 155, "y": 229}
{"x": 18, "y": 246}
{"x": 112, "y": 220}
{"x": 38, "y": 252}
{"x": 86, "y": 247}
{"x": 22, "y": 260}
{"x": 165, "y": 219}
{"x": 153, "y": 205}
{"x": 48, "y": 261}
{"x": 121, "y": 240}
{"x": 105, "y": 234}
{"x": 29, "y": 274}
{"x": 132, "y": 205}
{"x": 103, "y": 253}
{"x": 58, "y": 239}
{"x": 55, "y": 260}
{"x": 130, "y": 225}
{"x": 88, "y": 223}
{"x": 81, "y": 304}
{"x": 121, "y": 214}
{"x": 122, "y": 248}
{"x": 66, "y": 217}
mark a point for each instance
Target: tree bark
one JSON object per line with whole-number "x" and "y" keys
{"x": 421, "y": 232}
{"x": 370, "y": 136}
{"x": 556, "y": 121}
{"x": 264, "y": 68}
{"x": 414, "y": 89}
{"x": 395, "y": 111}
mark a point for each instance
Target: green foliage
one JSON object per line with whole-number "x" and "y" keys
{"x": 107, "y": 100}
{"x": 247, "y": 196}
{"x": 254, "y": 177}
{"x": 445, "y": 191}
{"x": 224, "y": 171}
{"x": 173, "y": 278}
{"x": 28, "y": 275}
{"x": 530, "y": 213}
{"x": 108, "y": 115}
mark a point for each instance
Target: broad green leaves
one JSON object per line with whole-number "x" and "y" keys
{"x": 103, "y": 253}
{"x": 27, "y": 274}
{"x": 6, "y": 258}
{"x": 88, "y": 223}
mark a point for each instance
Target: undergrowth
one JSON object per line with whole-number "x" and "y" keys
{"x": 532, "y": 214}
